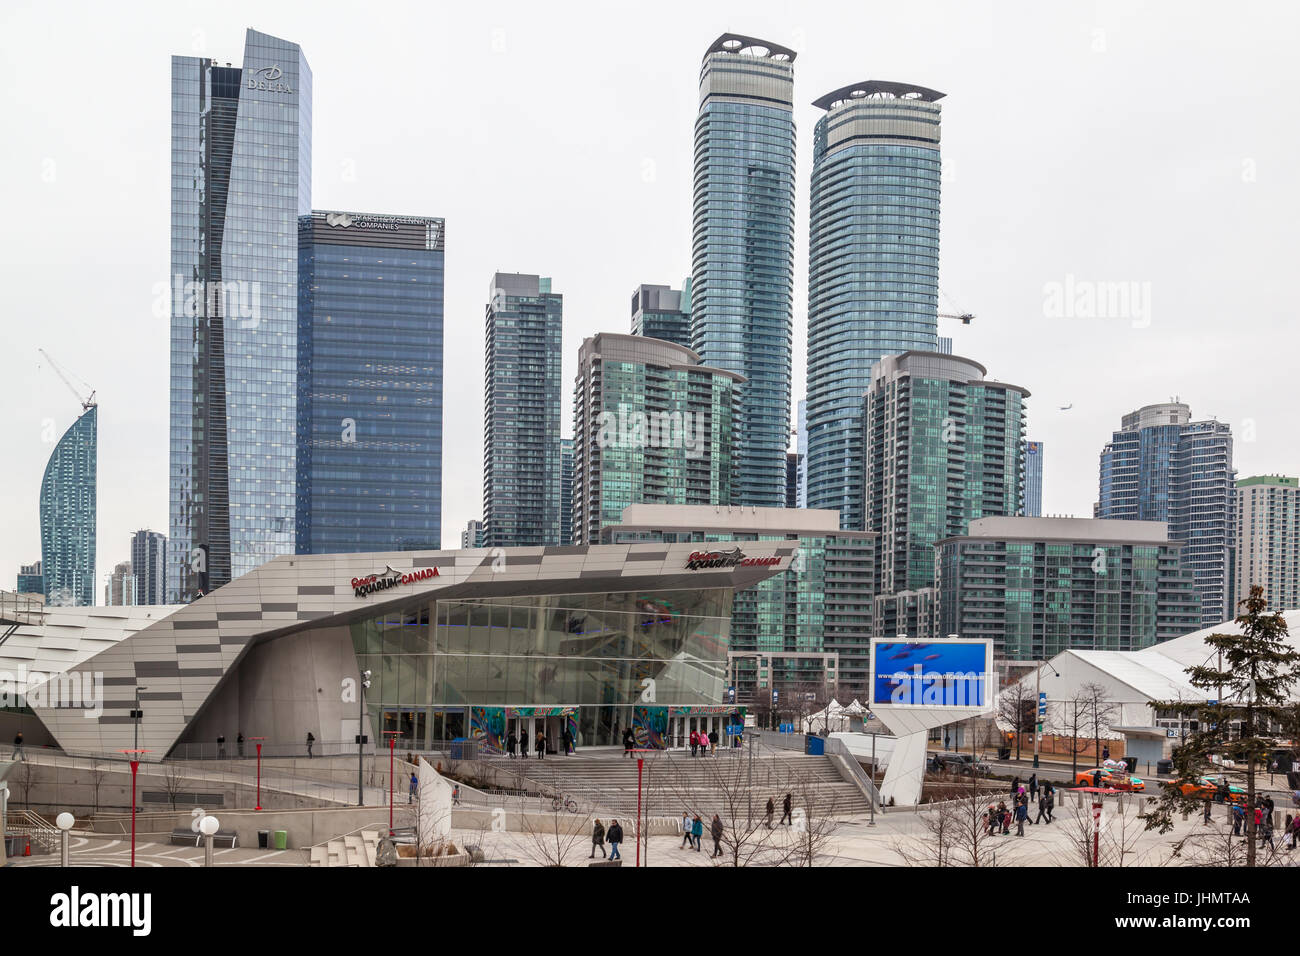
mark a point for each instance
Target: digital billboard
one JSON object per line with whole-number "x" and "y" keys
{"x": 932, "y": 674}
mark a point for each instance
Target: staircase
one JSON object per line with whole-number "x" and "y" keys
{"x": 350, "y": 849}
{"x": 26, "y": 823}
{"x": 607, "y": 784}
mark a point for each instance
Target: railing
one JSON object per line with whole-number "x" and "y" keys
{"x": 26, "y": 823}
{"x": 839, "y": 748}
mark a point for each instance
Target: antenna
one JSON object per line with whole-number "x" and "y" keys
{"x": 88, "y": 402}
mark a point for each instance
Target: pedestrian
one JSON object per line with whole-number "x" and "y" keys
{"x": 628, "y": 743}
{"x": 18, "y": 747}
{"x": 1208, "y": 804}
{"x": 715, "y": 830}
{"x": 1105, "y": 753}
{"x": 614, "y": 836}
{"x": 990, "y": 820}
{"x": 1266, "y": 831}
{"x": 221, "y": 746}
{"x": 785, "y": 811}
{"x": 1015, "y": 787}
{"x": 512, "y": 743}
{"x": 1238, "y": 818}
{"x": 686, "y": 830}
{"x": 455, "y": 795}
{"x": 771, "y": 809}
{"x": 540, "y": 746}
{"x": 523, "y": 744}
{"x": 697, "y": 831}
{"x": 713, "y": 742}
{"x": 1004, "y": 817}
{"x": 311, "y": 740}
{"x": 695, "y": 743}
{"x": 1022, "y": 814}
{"x": 239, "y": 741}
{"x": 1042, "y": 807}
{"x": 598, "y": 839}
{"x": 1033, "y": 788}
{"x": 1050, "y": 797}
{"x": 1096, "y": 779}
{"x": 1295, "y": 830}
{"x": 414, "y": 788}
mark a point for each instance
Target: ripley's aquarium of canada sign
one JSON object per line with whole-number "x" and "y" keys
{"x": 735, "y": 558}
{"x": 390, "y": 579}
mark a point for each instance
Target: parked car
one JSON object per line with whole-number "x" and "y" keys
{"x": 959, "y": 765}
{"x": 1208, "y": 786}
{"x": 1113, "y": 779}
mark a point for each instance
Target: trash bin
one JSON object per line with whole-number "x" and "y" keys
{"x": 282, "y": 839}
{"x": 1004, "y": 753}
{"x": 1164, "y": 766}
{"x": 814, "y": 745}
{"x": 263, "y": 839}
{"x": 1131, "y": 763}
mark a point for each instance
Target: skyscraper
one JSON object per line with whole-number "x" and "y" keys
{"x": 241, "y": 177}
{"x": 30, "y": 579}
{"x": 149, "y": 565}
{"x": 472, "y": 536}
{"x": 1268, "y": 539}
{"x": 742, "y": 270}
{"x": 943, "y": 447}
{"x": 120, "y": 591}
{"x": 370, "y": 375}
{"x": 1033, "y": 479}
{"x": 1162, "y": 466}
{"x": 873, "y": 266}
{"x": 801, "y": 443}
{"x": 521, "y": 412}
{"x": 566, "y": 491}
{"x": 659, "y": 312}
{"x": 69, "y": 511}
{"x": 651, "y": 425}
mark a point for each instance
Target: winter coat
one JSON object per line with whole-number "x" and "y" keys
{"x": 697, "y": 827}
{"x": 716, "y": 829}
{"x": 614, "y": 834}
{"x": 598, "y": 834}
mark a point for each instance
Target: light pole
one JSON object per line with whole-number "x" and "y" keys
{"x": 259, "y": 770}
{"x": 208, "y": 826}
{"x": 392, "y": 768}
{"x": 361, "y": 739}
{"x": 640, "y": 762}
{"x": 135, "y": 766}
{"x": 873, "y": 781}
{"x": 135, "y": 716}
{"x": 64, "y": 822}
{"x": 1040, "y": 704}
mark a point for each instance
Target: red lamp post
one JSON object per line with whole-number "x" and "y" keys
{"x": 259, "y": 770}
{"x": 135, "y": 766}
{"x": 640, "y": 763}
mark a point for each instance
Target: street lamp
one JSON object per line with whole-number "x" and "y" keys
{"x": 1041, "y": 706}
{"x": 259, "y": 769}
{"x": 135, "y": 766}
{"x": 64, "y": 822}
{"x": 208, "y": 826}
{"x": 361, "y": 740}
{"x": 135, "y": 716}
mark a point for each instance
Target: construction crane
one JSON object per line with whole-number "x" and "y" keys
{"x": 964, "y": 316}
{"x": 88, "y": 402}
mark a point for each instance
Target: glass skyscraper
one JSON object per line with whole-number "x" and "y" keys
{"x": 652, "y": 426}
{"x": 1033, "y": 479}
{"x": 659, "y": 312}
{"x": 521, "y": 412}
{"x": 69, "y": 510}
{"x": 742, "y": 270}
{"x": 370, "y": 374}
{"x": 1162, "y": 466}
{"x": 566, "y": 491}
{"x": 873, "y": 266}
{"x": 241, "y": 177}
{"x": 149, "y": 565}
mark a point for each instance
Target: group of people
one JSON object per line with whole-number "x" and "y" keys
{"x": 539, "y": 745}
{"x": 693, "y": 833}
{"x": 997, "y": 819}
{"x": 703, "y": 743}
{"x": 1263, "y": 813}
{"x": 600, "y": 836}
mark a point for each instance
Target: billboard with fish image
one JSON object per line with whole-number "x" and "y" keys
{"x": 952, "y": 673}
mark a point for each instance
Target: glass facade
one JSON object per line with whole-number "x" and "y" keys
{"x": 370, "y": 377}
{"x": 521, "y": 410}
{"x": 69, "y": 511}
{"x": 659, "y": 312}
{"x": 241, "y": 177}
{"x": 652, "y": 427}
{"x": 1033, "y": 479}
{"x": 149, "y": 565}
{"x": 873, "y": 268}
{"x": 585, "y": 655}
{"x": 743, "y": 247}
{"x": 1161, "y": 466}
{"x": 566, "y": 491}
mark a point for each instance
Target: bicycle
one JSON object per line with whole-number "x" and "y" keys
{"x": 567, "y": 802}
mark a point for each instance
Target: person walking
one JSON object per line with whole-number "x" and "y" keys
{"x": 1022, "y": 814}
{"x": 1004, "y": 817}
{"x": 413, "y": 788}
{"x": 697, "y": 831}
{"x": 1015, "y": 787}
{"x": 771, "y": 810}
{"x": 628, "y": 743}
{"x": 598, "y": 839}
{"x": 1049, "y": 795}
{"x": 695, "y": 743}
{"x": 455, "y": 795}
{"x": 1238, "y": 818}
{"x": 1042, "y": 806}
{"x": 512, "y": 744}
{"x": 1105, "y": 753}
{"x": 239, "y": 742}
{"x": 1033, "y": 788}
{"x": 569, "y": 747}
{"x": 1096, "y": 779}
{"x": 523, "y": 744}
{"x": 18, "y": 748}
{"x": 715, "y": 830}
{"x": 713, "y": 742}
{"x": 686, "y": 830}
{"x": 221, "y": 746}
{"x": 311, "y": 741}
{"x": 540, "y": 746}
{"x": 1208, "y": 804}
{"x": 614, "y": 836}
{"x": 785, "y": 811}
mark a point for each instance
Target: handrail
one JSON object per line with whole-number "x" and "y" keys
{"x": 838, "y": 748}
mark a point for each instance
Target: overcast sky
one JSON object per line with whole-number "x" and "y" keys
{"x": 1083, "y": 143}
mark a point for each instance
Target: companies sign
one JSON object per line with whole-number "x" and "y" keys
{"x": 390, "y": 579}
{"x": 937, "y": 674}
{"x": 735, "y": 558}
{"x": 269, "y": 79}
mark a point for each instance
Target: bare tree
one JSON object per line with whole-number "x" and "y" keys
{"x": 1017, "y": 707}
{"x": 26, "y": 777}
{"x": 97, "y": 774}
{"x": 557, "y": 837}
{"x": 173, "y": 782}
{"x": 959, "y": 834}
{"x": 1113, "y": 843}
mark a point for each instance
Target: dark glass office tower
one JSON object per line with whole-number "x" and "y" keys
{"x": 873, "y": 267}
{"x": 659, "y": 312}
{"x": 149, "y": 565}
{"x": 241, "y": 177}
{"x": 68, "y": 509}
{"x": 742, "y": 269}
{"x": 370, "y": 327}
{"x": 521, "y": 412}
{"x": 566, "y": 491}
